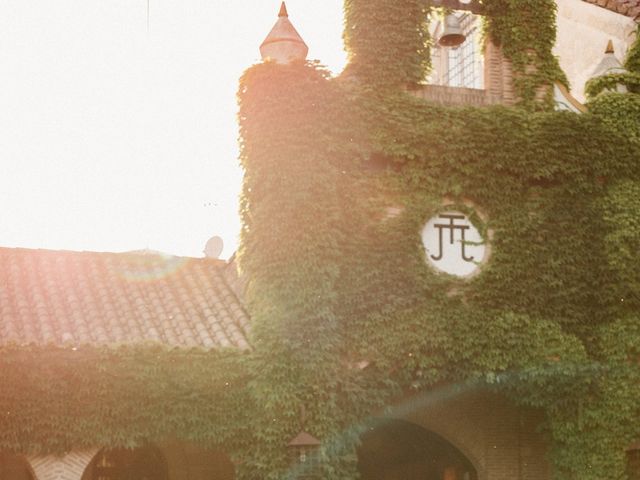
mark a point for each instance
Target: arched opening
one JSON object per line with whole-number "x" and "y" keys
{"x": 14, "y": 467}
{"x": 399, "y": 450}
{"x": 144, "y": 463}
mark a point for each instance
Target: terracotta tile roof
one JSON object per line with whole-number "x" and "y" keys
{"x": 63, "y": 297}
{"x": 630, "y": 8}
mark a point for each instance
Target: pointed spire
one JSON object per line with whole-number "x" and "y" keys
{"x": 283, "y": 10}
{"x": 608, "y": 50}
{"x": 609, "y": 63}
{"x": 284, "y": 44}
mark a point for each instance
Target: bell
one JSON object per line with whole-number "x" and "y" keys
{"x": 452, "y": 35}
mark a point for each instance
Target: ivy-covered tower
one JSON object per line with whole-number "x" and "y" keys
{"x": 438, "y": 292}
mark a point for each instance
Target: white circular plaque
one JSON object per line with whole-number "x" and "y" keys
{"x": 453, "y": 244}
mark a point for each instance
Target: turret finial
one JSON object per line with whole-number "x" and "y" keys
{"x": 283, "y": 10}
{"x": 608, "y": 50}
{"x": 610, "y": 65}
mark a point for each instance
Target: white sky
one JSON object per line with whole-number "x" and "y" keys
{"x": 115, "y": 138}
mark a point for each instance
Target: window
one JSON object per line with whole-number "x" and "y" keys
{"x": 461, "y": 66}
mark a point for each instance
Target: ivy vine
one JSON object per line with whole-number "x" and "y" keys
{"x": 340, "y": 177}
{"x": 343, "y": 282}
{"x": 388, "y": 43}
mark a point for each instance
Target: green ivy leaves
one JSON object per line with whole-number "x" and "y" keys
{"x": 340, "y": 179}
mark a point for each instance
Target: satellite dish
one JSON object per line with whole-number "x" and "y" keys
{"x": 213, "y": 248}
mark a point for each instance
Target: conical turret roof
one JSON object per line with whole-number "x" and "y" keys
{"x": 609, "y": 63}
{"x": 284, "y": 44}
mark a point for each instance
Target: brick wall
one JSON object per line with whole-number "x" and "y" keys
{"x": 499, "y": 439}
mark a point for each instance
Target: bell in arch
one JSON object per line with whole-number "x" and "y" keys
{"x": 452, "y": 36}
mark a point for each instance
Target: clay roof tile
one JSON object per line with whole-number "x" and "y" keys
{"x": 107, "y": 298}
{"x": 630, "y": 8}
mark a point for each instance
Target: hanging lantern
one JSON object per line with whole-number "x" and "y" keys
{"x": 452, "y": 36}
{"x": 303, "y": 452}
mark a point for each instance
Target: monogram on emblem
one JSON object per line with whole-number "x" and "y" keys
{"x": 453, "y": 244}
{"x": 452, "y": 227}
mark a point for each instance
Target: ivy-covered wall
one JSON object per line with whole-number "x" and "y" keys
{"x": 388, "y": 43}
{"x": 336, "y": 281}
{"x": 340, "y": 177}
{"x": 56, "y": 399}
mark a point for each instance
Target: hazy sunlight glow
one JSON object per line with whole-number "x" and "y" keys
{"x": 114, "y": 137}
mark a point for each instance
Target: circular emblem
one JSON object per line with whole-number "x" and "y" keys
{"x": 453, "y": 244}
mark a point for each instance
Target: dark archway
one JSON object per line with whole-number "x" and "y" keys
{"x": 144, "y": 463}
{"x": 399, "y": 450}
{"x": 14, "y": 467}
